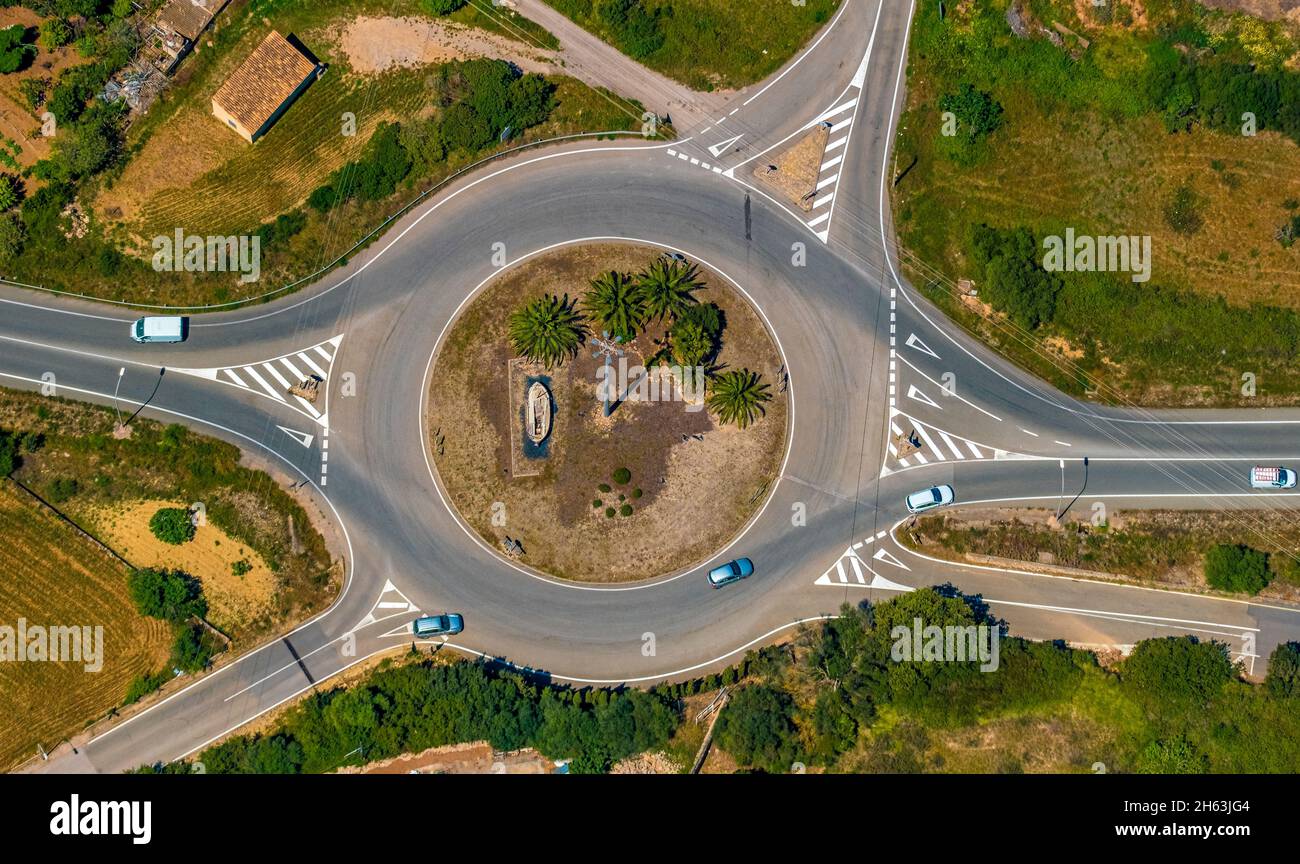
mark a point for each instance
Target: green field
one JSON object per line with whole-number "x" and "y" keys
{"x": 1136, "y": 134}
{"x": 705, "y": 44}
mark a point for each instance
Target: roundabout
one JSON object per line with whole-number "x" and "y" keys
{"x": 655, "y": 486}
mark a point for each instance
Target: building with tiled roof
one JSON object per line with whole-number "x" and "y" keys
{"x": 264, "y": 86}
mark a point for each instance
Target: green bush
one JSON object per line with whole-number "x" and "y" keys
{"x": 172, "y": 525}
{"x": 1177, "y": 670}
{"x": 622, "y": 476}
{"x": 1236, "y": 568}
{"x": 442, "y": 7}
{"x": 609, "y": 512}
{"x": 625, "y": 510}
{"x": 14, "y": 54}
{"x": 1014, "y": 281}
{"x": 143, "y": 685}
{"x": 61, "y": 489}
{"x": 1283, "y": 680}
{"x": 190, "y": 649}
{"x": 167, "y": 594}
{"x": 636, "y": 30}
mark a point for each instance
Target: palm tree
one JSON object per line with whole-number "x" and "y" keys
{"x": 617, "y": 303}
{"x": 548, "y": 330}
{"x": 668, "y": 287}
{"x": 738, "y": 396}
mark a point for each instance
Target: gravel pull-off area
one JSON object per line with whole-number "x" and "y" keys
{"x": 379, "y": 44}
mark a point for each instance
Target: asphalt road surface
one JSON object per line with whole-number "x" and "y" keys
{"x": 865, "y": 354}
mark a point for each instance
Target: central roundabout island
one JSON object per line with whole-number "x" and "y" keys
{"x": 607, "y": 412}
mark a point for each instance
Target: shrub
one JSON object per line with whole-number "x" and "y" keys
{"x": 625, "y": 510}
{"x": 636, "y": 493}
{"x": 61, "y": 489}
{"x": 1014, "y": 280}
{"x": 167, "y": 594}
{"x": 1177, "y": 670}
{"x": 596, "y": 503}
{"x": 1172, "y": 756}
{"x": 622, "y": 475}
{"x": 241, "y": 567}
{"x": 54, "y": 33}
{"x": 12, "y": 237}
{"x": 190, "y": 650}
{"x": 1283, "y": 680}
{"x": 1236, "y": 568}
{"x": 172, "y": 525}
{"x": 442, "y": 7}
{"x": 1182, "y": 213}
{"x": 143, "y": 685}
{"x": 609, "y": 512}
{"x": 635, "y": 29}
{"x": 323, "y": 198}
{"x": 605, "y": 487}
{"x": 14, "y": 54}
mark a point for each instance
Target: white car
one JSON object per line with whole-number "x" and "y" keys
{"x": 928, "y": 499}
{"x": 1262, "y": 477}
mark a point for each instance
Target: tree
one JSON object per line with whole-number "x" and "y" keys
{"x": 8, "y": 192}
{"x": 548, "y": 330}
{"x": 172, "y": 525}
{"x": 757, "y": 728}
{"x": 1283, "y": 681}
{"x": 668, "y": 287}
{"x": 617, "y": 303}
{"x": 1177, "y": 670}
{"x": 1014, "y": 281}
{"x": 1236, "y": 568}
{"x": 167, "y": 594}
{"x": 738, "y": 396}
{"x": 14, "y": 53}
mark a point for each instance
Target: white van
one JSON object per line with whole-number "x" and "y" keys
{"x": 159, "y": 328}
{"x": 1262, "y": 477}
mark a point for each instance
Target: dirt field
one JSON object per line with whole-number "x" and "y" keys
{"x": 475, "y": 758}
{"x": 694, "y": 494}
{"x": 1271, "y": 10}
{"x": 378, "y": 44}
{"x": 17, "y": 121}
{"x": 233, "y": 601}
{"x": 54, "y": 576}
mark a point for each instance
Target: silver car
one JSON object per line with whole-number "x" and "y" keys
{"x": 928, "y": 499}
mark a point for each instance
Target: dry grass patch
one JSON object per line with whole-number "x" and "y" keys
{"x": 233, "y": 600}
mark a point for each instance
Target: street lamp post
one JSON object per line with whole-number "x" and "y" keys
{"x": 116, "y": 410}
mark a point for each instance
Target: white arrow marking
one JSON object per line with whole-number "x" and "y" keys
{"x": 883, "y": 555}
{"x": 913, "y": 393}
{"x": 301, "y": 437}
{"x": 717, "y": 149}
{"x": 914, "y": 341}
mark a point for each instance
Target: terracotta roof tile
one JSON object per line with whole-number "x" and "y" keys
{"x": 263, "y": 81}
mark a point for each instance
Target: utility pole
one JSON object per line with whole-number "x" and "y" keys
{"x": 609, "y": 348}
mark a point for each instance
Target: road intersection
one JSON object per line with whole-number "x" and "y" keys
{"x": 866, "y": 355}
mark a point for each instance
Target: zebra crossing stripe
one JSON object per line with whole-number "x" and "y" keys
{"x": 311, "y": 364}
{"x": 952, "y": 445}
{"x": 271, "y": 391}
{"x": 271, "y": 370}
{"x": 293, "y": 370}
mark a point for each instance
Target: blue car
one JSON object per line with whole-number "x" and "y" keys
{"x": 730, "y": 572}
{"x": 447, "y": 624}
